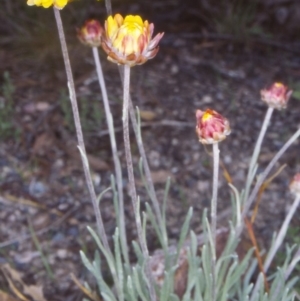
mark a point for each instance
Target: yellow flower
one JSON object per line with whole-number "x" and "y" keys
{"x": 47, "y": 3}
{"x": 129, "y": 41}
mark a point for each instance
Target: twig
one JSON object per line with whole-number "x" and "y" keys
{"x": 171, "y": 123}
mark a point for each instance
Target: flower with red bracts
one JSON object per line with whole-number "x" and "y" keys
{"x": 276, "y": 96}
{"x": 295, "y": 185}
{"x": 211, "y": 126}
{"x": 90, "y": 34}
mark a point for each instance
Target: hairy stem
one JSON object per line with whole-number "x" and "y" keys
{"x": 132, "y": 190}
{"x": 213, "y": 214}
{"x": 257, "y": 151}
{"x": 100, "y": 225}
{"x": 141, "y": 148}
{"x": 118, "y": 170}
{"x": 142, "y": 152}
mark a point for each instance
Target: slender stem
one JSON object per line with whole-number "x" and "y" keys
{"x": 281, "y": 234}
{"x": 100, "y": 225}
{"x": 293, "y": 264}
{"x": 288, "y": 271}
{"x": 263, "y": 176}
{"x": 257, "y": 151}
{"x": 213, "y": 214}
{"x": 279, "y": 239}
{"x": 132, "y": 190}
{"x": 142, "y": 152}
{"x": 108, "y": 7}
{"x": 118, "y": 170}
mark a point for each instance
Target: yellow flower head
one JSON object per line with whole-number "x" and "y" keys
{"x": 47, "y": 3}
{"x": 129, "y": 40}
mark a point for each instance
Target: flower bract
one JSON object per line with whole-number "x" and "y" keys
{"x": 129, "y": 40}
{"x": 47, "y": 3}
{"x": 90, "y": 34}
{"x": 276, "y": 96}
{"x": 211, "y": 126}
{"x": 295, "y": 185}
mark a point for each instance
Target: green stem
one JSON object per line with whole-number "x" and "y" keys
{"x": 278, "y": 241}
{"x": 257, "y": 151}
{"x": 132, "y": 190}
{"x": 263, "y": 176}
{"x": 213, "y": 214}
{"x": 281, "y": 234}
{"x": 73, "y": 99}
{"x": 118, "y": 170}
{"x": 142, "y": 152}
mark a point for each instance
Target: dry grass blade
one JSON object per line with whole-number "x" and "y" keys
{"x": 16, "y": 283}
{"x": 93, "y": 296}
{"x": 263, "y": 187}
{"x": 256, "y": 250}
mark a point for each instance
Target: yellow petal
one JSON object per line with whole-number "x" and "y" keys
{"x": 119, "y": 19}
{"x": 34, "y": 2}
{"x": 111, "y": 27}
{"x": 134, "y": 19}
{"x": 60, "y": 3}
{"x": 46, "y": 3}
{"x": 30, "y": 2}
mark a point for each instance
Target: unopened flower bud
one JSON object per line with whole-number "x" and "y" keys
{"x": 211, "y": 126}
{"x": 295, "y": 185}
{"x": 276, "y": 96}
{"x": 90, "y": 34}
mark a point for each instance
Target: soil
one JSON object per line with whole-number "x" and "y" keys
{"x": 41, "y": 180}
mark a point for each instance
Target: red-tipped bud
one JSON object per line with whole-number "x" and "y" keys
{"x": 211, "y": 126}
{"x": 295, "y": 185}
{"x": 91, "y": 33}
{"x": 276, "y": 96}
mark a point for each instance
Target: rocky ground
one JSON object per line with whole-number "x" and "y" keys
{"x": 200, "y": 65}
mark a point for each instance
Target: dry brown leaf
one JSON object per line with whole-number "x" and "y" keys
{"x": 97, "y": 164}
{"x": 15, "y": 281}
{"x": 147, "y": 115}
{"x": 160, "y": 176}
{"x": 92, "y": 295}
{"x": 42, "y": 143}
